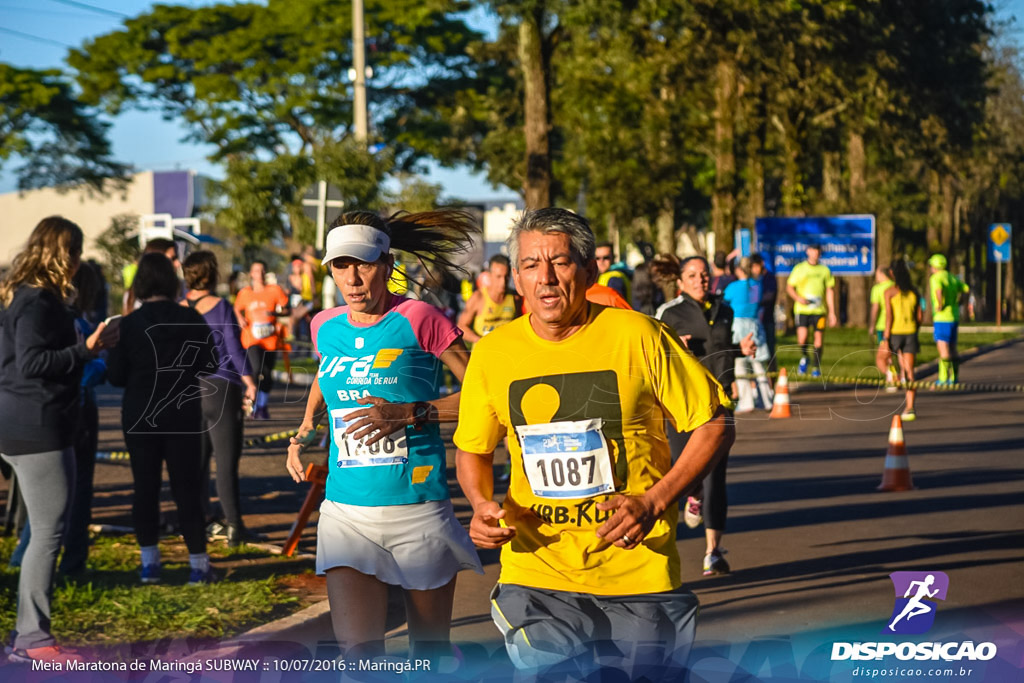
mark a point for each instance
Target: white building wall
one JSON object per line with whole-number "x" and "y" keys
{"x": 498, "y": 221}
{"x": 20, "y": 212}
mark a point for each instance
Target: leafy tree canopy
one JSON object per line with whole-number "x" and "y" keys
{"x": 61, "y": 140}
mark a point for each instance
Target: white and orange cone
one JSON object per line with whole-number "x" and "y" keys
{"x": 896, "y": 476}
{"x": 780, "y": 405}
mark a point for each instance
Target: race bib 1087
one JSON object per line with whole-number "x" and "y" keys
{"x": 566, "y": 459}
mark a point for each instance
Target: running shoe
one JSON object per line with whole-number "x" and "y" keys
{"x": 908, "y": 416}
{"x": 816, "y": 372}
{"x": 216, "y": 531}
{"x": 52, "y": 654}
{"x": 715, "y": 564}
{"x": 692, "y": 513}
{"x": 199, "y": 576}
{"x": 802, "y": 368}
{"x": 150, "y": 573}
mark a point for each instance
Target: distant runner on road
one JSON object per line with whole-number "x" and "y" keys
{"x": 945, "y": 290}
{"x": 812, "y": 287}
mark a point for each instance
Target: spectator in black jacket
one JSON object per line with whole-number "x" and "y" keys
{"x": 165, "y": 351}
{"x": 41, "y": 364}
{"x": 704, "y": 324}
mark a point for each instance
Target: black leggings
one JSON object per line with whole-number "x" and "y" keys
{"x": 148, "y": 452}
{"x": 715, "y": 497}
{"x": 222, "y": 426}
{"x": 262, "y": 363}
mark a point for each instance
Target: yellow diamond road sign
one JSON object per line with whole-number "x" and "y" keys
{"x": 999, "y": 235}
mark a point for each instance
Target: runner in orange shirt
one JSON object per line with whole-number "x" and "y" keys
{"x": 258, "y": 307}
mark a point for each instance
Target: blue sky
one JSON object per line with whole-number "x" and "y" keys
{"x": 37, "y": 33}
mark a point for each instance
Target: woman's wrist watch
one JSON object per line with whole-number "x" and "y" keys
{"x": 420, "y": 414}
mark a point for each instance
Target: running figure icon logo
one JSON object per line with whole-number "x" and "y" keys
{"x": 916, "y": 592}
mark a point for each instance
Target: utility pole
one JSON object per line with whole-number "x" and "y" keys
{"x": 359, "y": 66}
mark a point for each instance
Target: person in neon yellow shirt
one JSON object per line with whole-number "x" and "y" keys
{"x": 876, "y": 326}
{"x": 589, "y": 523}
{"x": 812, "y": 288}
{"x": 945, "y": 289}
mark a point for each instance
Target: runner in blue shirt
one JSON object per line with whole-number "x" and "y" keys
{"x": 387, "y": 518}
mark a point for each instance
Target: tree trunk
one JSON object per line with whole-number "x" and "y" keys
{"x": 537, "y": 188}
{"x": 723, "y": 199}
{"x": 857, "y": 308}
{"x": 666, "y": 228}
{"x": 830, "y": 178}
{"x": 857, "y": 160}
{"x": 946, "y": 226}
{"x": 792, "y": 180}
{"x": 613, "y": 233}
{"x": 932, "y": 234}
{"x": 753, "y": 205}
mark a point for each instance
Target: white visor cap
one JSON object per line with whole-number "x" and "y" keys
{"x": 361, "y": 242}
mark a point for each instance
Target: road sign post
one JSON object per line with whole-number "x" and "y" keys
{"x": 999, "y": 240}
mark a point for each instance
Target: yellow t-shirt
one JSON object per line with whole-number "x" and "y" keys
{"x": 878, "y": 291}
{"x": 904, "y": 312}
{"x": 623, "y": 367}
{"x": 494, "y": 314}
{"x": 811, "y": 282}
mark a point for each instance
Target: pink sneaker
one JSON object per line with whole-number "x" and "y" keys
{"x": 692, "y": 514}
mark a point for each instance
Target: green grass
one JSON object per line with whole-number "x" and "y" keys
{"x": 108, "y": 604}
{"x": 850, "y": 352}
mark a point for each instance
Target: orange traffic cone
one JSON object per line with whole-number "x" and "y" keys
{"x": 896, "y": 476}
{"x": 780, "y": 406}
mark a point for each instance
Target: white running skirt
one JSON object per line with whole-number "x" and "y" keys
{"x": 418, "y": 547}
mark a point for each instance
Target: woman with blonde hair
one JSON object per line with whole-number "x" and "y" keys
{"x": 41, "y": 363}
{"x": 387, "y": 518}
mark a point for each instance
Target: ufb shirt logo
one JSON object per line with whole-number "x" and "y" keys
{"x": 916, "y": 593}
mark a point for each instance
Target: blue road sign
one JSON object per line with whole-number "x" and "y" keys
{"x": 847, "y": 242}
{"x": 999, "y": 240}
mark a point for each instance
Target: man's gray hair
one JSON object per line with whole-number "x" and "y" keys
{"x": 581, "y": 237}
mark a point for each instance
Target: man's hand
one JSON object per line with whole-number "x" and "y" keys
{"x": 486, "y": 528}
{"x": 379, "y": 420}
{"x": 632, "y": 520}
{"x": 685, "y": 339}
{"x": 747, "y": 345}
{"x": 833, "y": 321}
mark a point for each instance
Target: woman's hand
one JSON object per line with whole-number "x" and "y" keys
{"x": 297, "y": 444}
{"x": 103, "y": 337}
{"x": 250, "y": 393}
{"x": 379, "y": 420}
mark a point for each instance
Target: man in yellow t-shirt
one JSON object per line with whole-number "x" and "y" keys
{"x": 812, "y": 288}
{"x": 589, "y": 522}
{"x": 492, "y": 305}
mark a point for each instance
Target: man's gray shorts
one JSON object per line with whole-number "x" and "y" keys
{"x": 557, "y": 632}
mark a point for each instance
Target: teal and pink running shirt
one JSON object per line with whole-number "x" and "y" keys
{"x": 397, "y": 359}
